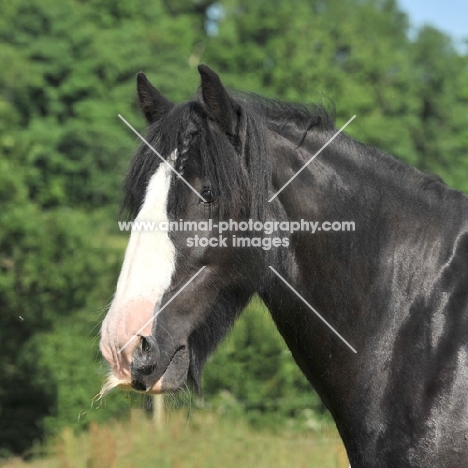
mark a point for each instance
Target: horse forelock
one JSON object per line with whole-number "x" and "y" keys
{"x": 237, "y": 169}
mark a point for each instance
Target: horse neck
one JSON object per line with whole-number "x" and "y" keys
{"x": 389, "y": 204}
{"x": 343, "y": 274}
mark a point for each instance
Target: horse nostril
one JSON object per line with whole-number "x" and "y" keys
{"x": 137, "y": 385}
{"x": 145, "y": 346}
{"x": 147, "y": 353}
{"x": 147, "y": 343}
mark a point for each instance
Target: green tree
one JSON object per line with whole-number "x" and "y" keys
{"x": 441, "y": 138}
{"x": 76, "y": 72}
{"x": 358, "y": 56}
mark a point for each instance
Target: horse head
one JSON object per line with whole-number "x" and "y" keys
{"x": 183, "y": 282}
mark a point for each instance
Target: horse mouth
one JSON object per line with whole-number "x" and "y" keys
{"x": 173, "y": 378}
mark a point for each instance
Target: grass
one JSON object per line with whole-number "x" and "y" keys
{"x": 206, "y": 440}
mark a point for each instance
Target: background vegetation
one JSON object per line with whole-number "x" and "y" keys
{"x": 68, "y": 68}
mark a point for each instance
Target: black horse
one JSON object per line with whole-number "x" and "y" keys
{"x": 395, "y": 287}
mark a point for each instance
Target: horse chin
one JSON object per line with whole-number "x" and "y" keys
{"x": 175, "y": 376}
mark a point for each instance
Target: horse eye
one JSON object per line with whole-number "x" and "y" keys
{"x": 208, "y": 195}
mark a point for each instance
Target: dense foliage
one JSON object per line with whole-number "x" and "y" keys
{"x": 68, "y": 70}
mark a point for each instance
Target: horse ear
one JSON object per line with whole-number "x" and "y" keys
{"x": 217, "y": 100}
{"x": 153, "y": 104}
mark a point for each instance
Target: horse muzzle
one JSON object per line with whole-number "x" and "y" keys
{"x": 155, "y": 370}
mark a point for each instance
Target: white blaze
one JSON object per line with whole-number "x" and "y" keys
{"x": 146, "y": 274}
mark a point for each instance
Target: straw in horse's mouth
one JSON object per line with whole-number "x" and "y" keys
{"x": 114, "y": 382}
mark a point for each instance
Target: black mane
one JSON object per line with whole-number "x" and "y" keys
{"x": 285, "y": 117}
{"x": 241, "y": 187}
